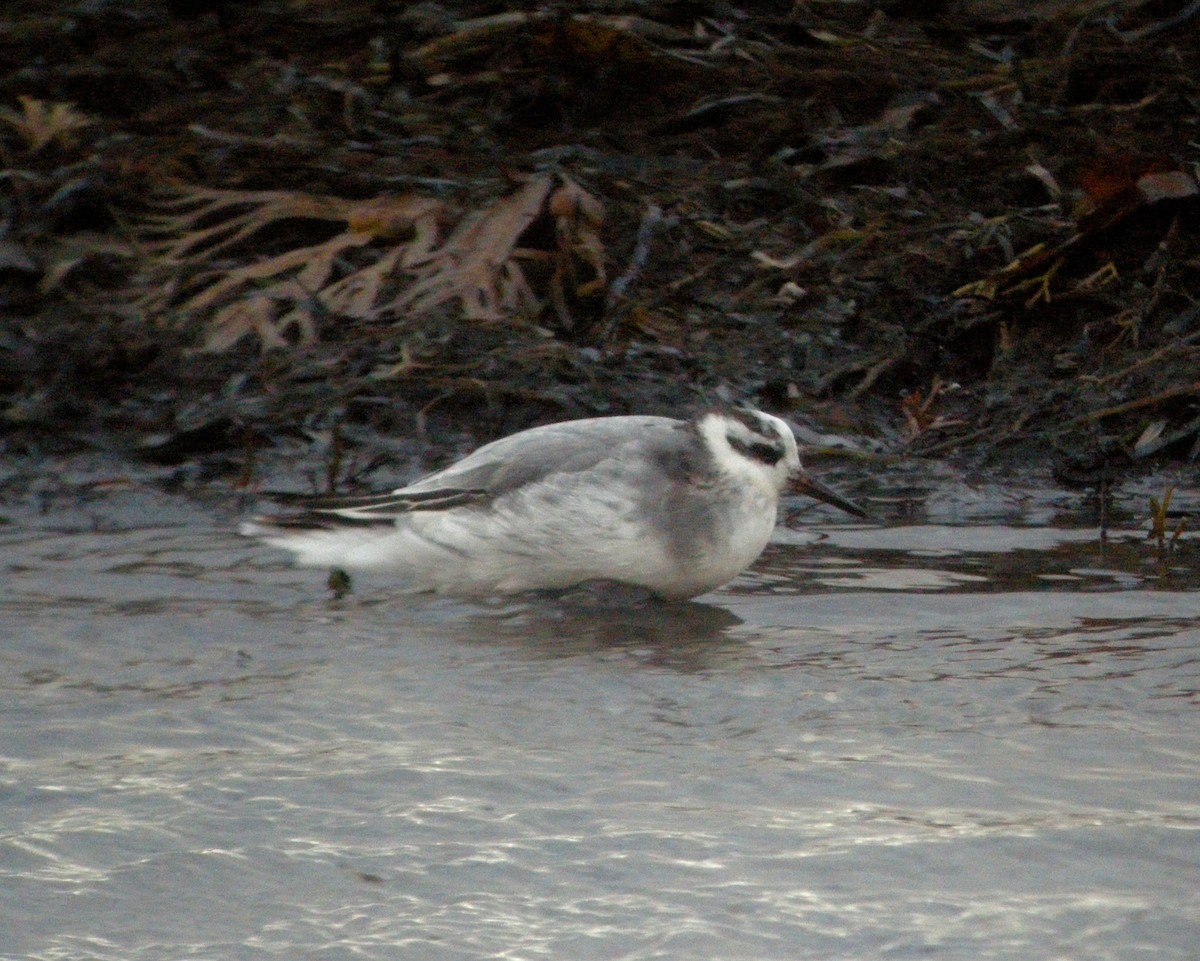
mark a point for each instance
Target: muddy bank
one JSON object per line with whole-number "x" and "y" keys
{"x": 961, "y": 230}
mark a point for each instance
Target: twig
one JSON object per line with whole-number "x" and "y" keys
{"x": 1138, "y": 404}
{"x": 652, "y": 220}
{"x": 874, "y": 372}
{"x": 950, "y": 442}
{"x": 1131, "y": 36}
{"x": 1172, "y": 349}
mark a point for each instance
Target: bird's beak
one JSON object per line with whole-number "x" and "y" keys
{"x": 804, "y": 483}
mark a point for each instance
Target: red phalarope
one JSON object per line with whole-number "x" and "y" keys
{"x": 676, "y": 507}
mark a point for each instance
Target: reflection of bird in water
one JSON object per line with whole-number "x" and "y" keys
{"x": 606, "y": 617}
{"x": 675, "y": 507}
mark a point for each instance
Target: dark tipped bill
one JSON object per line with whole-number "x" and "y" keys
{"x": 806, "y": 484}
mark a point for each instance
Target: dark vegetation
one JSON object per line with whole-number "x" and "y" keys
{"x": 964, "y": 229}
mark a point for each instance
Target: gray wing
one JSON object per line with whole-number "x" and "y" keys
{"x": 563, "y": 448}
{"x": 657, "y": 443}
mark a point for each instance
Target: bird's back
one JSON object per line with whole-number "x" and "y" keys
{"x": 564, "y": 448}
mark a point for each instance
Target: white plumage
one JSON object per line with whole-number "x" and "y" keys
{"x": 676, "y": 507}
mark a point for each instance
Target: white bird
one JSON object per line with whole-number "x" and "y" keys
{"x": 676, "y": 507}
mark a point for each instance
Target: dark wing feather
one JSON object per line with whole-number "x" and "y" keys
{"x": 381, "y": 506}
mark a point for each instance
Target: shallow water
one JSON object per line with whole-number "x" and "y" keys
{"x": 974, "y": 740}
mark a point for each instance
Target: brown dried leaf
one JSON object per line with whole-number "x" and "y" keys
{"x": 199, "y": 224}
{"x": 481, "y": 264}
{"x": 477, "y": 264}
{"x": 211, "y": 221}
{"x": 578, "y": 218}
{"x": 252, "y": 315}
{"x": 312, "y": 266}
{"x": 40, "y": 122}
{"x": 356, "y": 294}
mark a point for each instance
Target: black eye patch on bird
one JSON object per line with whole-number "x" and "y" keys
{"x": 757, "y": 450}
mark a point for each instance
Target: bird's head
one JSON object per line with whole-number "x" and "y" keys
{"x": 762, "y": 448}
